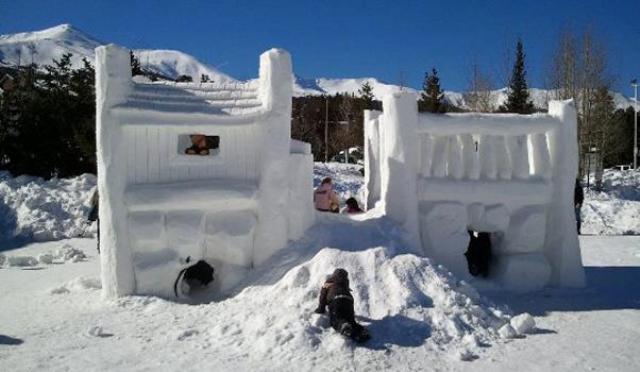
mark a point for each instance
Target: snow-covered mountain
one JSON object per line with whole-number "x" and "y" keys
{"x": 41, "y": 47}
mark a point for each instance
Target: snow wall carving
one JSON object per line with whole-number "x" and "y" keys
{"x": 511, "y": 175}
{"x": 233, "y": 207}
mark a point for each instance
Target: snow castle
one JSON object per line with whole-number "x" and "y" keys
{"x": 195, "y": 171}
{"x": 509, "y": 175}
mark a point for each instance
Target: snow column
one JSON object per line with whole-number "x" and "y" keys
{"x": 562, "y": 245}
{"x": 400, "y": 163}
{"x": 113, "y": 81}
{"x": 371, "y": 158}
{"x": 275, "y": 92}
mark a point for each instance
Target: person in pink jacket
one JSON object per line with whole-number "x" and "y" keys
{"x": 325, "y": 199}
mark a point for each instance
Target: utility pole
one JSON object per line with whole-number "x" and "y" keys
{"x": 634, "y": 84}
{"x": 326, "y": 129}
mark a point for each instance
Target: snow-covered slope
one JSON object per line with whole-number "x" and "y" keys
{"x": 41, "y": 47}
{"x": 172, "y": 63}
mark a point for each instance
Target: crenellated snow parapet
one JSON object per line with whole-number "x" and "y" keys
{"x": 162, "y": 208}
{"x": 510, "y": 175}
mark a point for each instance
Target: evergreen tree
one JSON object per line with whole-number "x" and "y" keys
{"x": 47, "y": 122}
{"x": 135, "y": 64}
{"x": 431, "y": 99}
{"x": 366, "y": 94}
{"x": 204, "y": 78}
{"x": 518, "y": 98}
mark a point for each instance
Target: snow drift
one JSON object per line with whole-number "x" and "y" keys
{"x": 32, "y": 209}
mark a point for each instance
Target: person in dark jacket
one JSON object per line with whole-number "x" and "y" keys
{"x": 578, "y": 199}
{"x": 336, "y": 294}
{"x": 478, "y": 253}
{"x": 93, "y": 215}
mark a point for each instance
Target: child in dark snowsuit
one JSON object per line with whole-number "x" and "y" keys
{"x": 336, "y": 294}
{"x": 93, "y": 215}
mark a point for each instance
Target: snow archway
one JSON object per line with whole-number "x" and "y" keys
{"x": 511, "y": 175}
{"x": 195, "y": 171}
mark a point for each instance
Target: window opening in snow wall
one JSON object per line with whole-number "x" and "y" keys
{"x": 198, "y": 144}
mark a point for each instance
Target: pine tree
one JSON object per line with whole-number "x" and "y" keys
{"x": 204, "y": 78}
{"x": 518, "y": 98}
{"x": 366, "y": 94}
{"x": 135, "y": 64}
{"x": 431, "y": 99}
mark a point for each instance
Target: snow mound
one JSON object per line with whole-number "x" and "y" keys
{"x": 70, "y": 253}
{"x": 523, "y": 323}
{"x": 79, "y": 284}
{"x": 32, "y": 209}
{"x": 403, "y": 299}
{"x": 22, "y": 261}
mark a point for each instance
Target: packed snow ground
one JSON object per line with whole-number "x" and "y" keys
{"x": 420, "y": 316}
{"x": 52, "y": 317}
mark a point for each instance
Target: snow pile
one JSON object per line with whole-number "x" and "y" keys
{"x": 66, "y": 253}
{"x": 615, "y": 209}
{"x": 79, "y": 284}
{"x": 22, "y": 261}
{"x": 70, "y": 253}
{"x": 404, "y": 301}
{"x": 34, "y": 209}
{"x": 399, "y": 294}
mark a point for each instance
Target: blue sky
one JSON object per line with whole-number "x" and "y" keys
{"x": 395, "y": 41}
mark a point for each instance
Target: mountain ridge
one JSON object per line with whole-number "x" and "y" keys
{"x": 42, "y": 46}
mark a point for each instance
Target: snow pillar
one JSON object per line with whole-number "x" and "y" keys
{"x": 113, "y": 82}
{"x": 371, "y": 158}
{"x": 561, "y": 244}
{"x": 400, "y": 165}
{"x": 275, "y": 92}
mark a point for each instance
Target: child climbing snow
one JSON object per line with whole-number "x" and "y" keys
{"x": 336, "y": 294}
{"x": 324, "y": 198}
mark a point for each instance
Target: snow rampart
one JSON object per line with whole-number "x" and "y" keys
{"x": 510, "y": 175}
{"x": 162, "y": 209}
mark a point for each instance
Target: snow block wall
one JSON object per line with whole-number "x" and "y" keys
{"x": 162, "y": 209}
{"x": 511, "y": 175}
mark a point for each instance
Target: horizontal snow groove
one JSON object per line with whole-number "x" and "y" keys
{"x": 146, "y": 114}
{"x": 527, "y": 192}
{"x": 137, "y": 100}
{"x": 192, "y": 195}
{"x": 253, "y": 85}
{"x": 187, "y": 94}
{"x": 506, "y": 124}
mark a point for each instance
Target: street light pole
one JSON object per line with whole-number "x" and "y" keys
{"x": 326, "y": 129}
{"x": 634, "y": 84}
